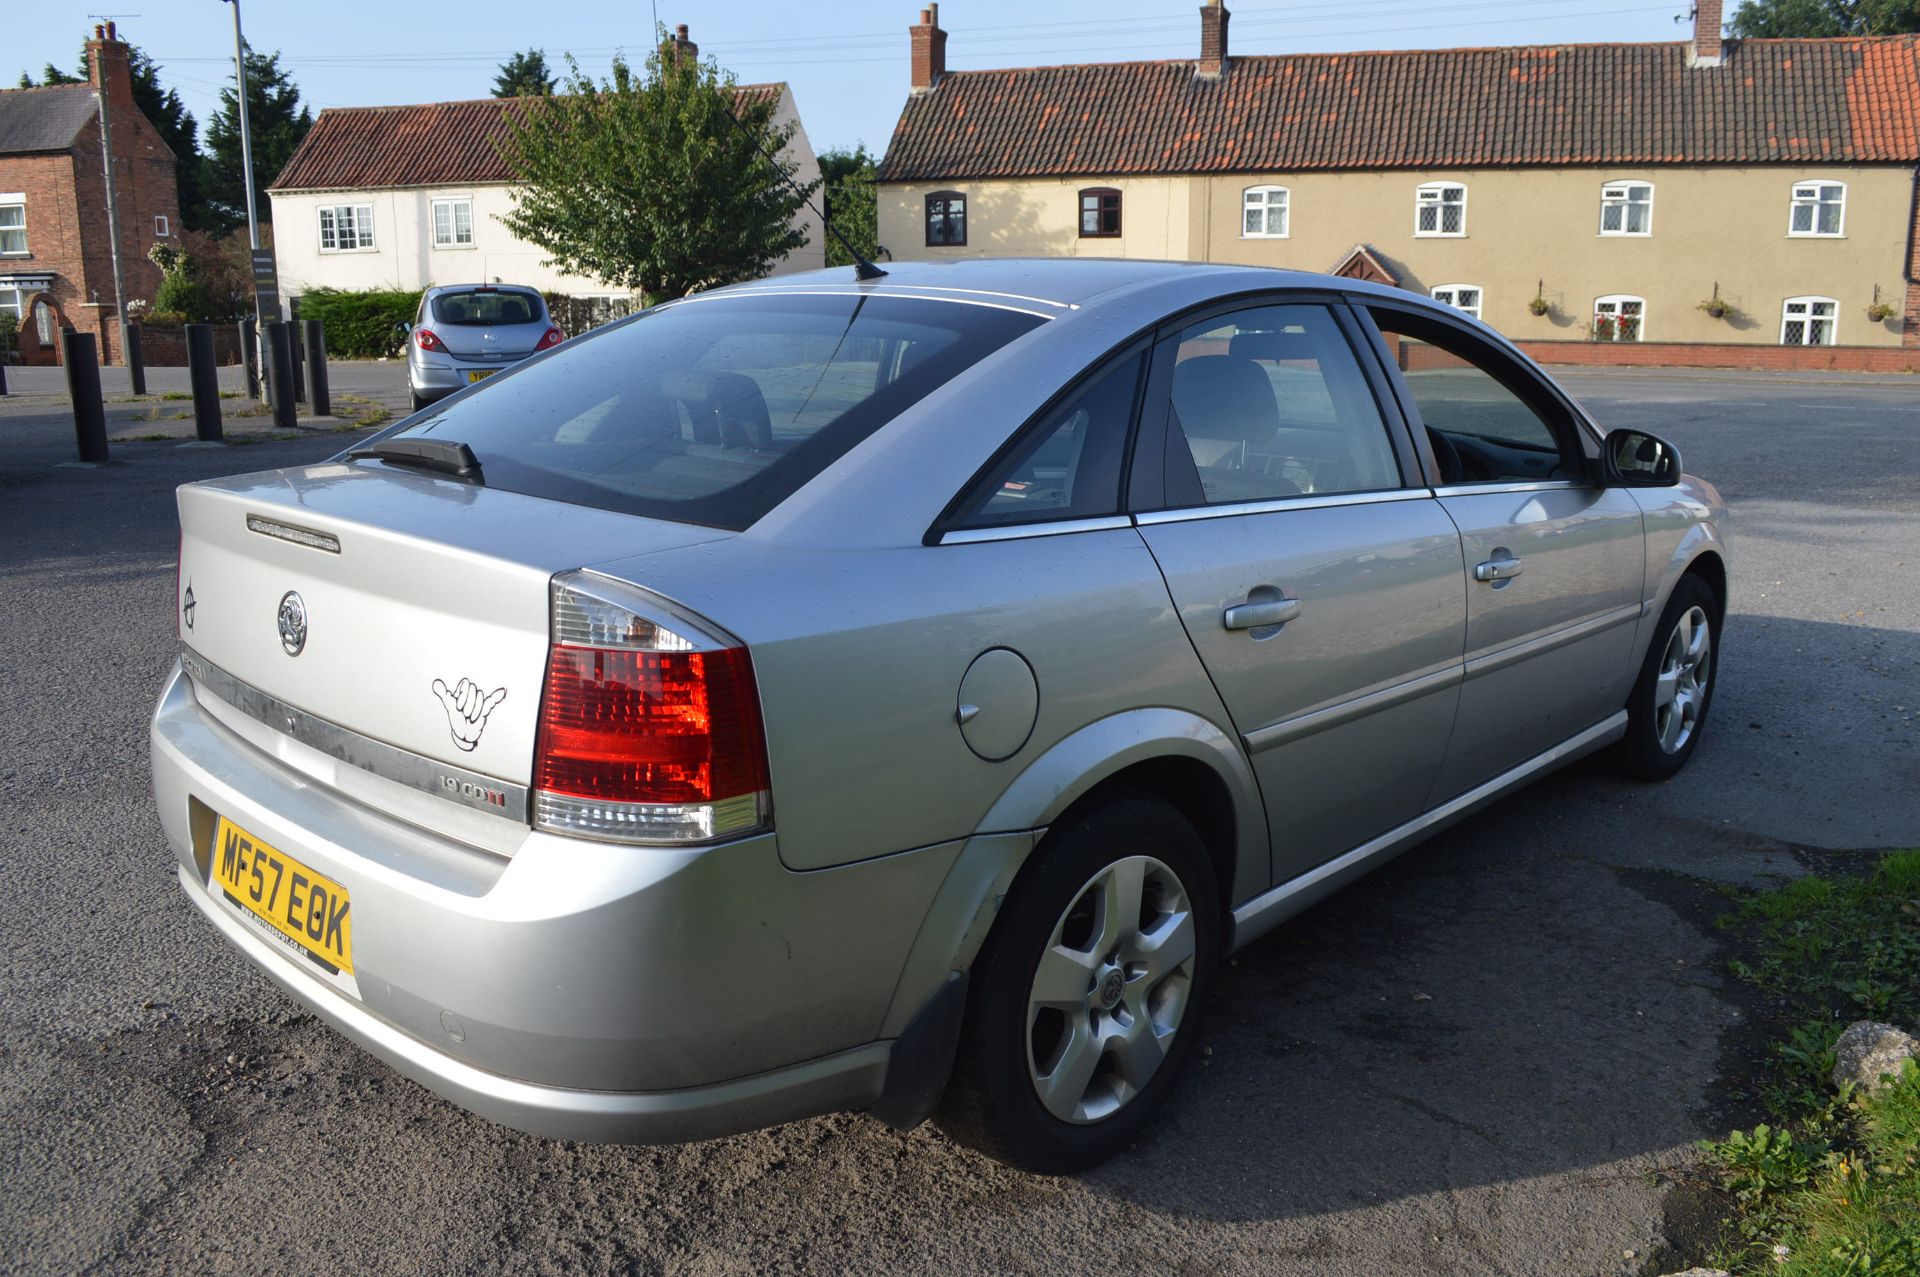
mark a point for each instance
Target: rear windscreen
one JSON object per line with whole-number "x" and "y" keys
{"x": 715, "y": 411}
{"x": 486, "y": 308}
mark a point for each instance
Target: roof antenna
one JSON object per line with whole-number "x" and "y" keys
{"x": 862, "y": 268}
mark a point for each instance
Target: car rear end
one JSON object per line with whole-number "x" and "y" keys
{"x": 467, "y": 333}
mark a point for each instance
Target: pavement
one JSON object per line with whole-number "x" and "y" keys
{"x": 1478, "y": 1060}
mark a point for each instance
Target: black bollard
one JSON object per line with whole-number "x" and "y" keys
{"x": 298, "y": 338}
{"x": 3, "y": 374}
{"x": 250, "y": 356}
{"x": 83, "y": 386}
{"x": 136, "y": 360}
{"x": 316, "y": 342}
{"x": 286, "y": 413}
{"x": 204, "y": 376}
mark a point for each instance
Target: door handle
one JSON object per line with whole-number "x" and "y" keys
{"x": 1254, "y": 615}
{"x": 1497, "y": 570}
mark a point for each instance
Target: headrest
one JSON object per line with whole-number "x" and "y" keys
{"x": 1224, "y": 397}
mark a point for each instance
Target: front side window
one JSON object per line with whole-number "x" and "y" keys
{"x": 1819, "y": 208}
{"x": 453, "y": 223}
{"x": 1068, "y": 467}
{"x": 714, "y": 411}
{"x": 946, "y": 219}
{"x": 1619, "y": 318}
{"x": 1099, "y": 213}
{"x": 1271, "y": 403}
{"x": 1488, "y": 421}
{"x": 346, "y": 227}
{"x": 1809, "y": 321}
{"x": 1264, "y": 212}
{"x": 1464, "y": 297}
{"x": 13, "y": 226}
{"x": 1626, "y": 208}
{"x": 1440, "y": 208}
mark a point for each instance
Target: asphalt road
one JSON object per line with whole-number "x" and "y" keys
{"x": 1468, "y": 1063}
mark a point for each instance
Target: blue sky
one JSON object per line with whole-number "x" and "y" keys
{"x": 847, "y": 62}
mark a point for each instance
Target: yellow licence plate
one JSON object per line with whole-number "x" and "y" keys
{"x": 307, "y": 908}
{"x": 481, "y": 375}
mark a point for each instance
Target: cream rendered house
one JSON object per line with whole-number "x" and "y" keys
{"x": 1673, "y": 203}
{"x": 401, "y": 197}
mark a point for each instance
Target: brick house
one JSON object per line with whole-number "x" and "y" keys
{"x": 56, "y": 255}
{"x": 1597, "y": 202}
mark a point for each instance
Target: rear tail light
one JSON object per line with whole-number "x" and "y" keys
{"x": 552, "y": 338}
{"x": 427, "y": 339}
{"x": 650, "y": 726}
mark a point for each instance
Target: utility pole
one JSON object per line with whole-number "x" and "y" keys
{"x": 260, "y": 263}
{"x": 104, "y": 34}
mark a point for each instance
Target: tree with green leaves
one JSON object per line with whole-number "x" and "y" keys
{"x": 524, "y": 75}
{"x": 667, "y": 181}
{"x": 278, "y": 122}
{"x": 852, "y": 203}
{"x": 1774, "y": 19}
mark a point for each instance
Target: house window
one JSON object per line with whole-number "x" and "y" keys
{"x": 1619, "y": 318}
{"x": 1440, "y": 208}
{"x": 162, "y": 228}
{"x": 346, "y": 227}
{"x": 11, "y": 301}
{"x": 1099, "y": 213}
{"x": 453, "y": 223}
{"x": 1819, "y": 208}
{"x": 1809, "y": 321}
{"x": 1464, "y": 297}
{"x": 1626, "y": 208}
{"x": 946, "y": 219}
{"x": 13, "y": 225}
{"x": 1263, "y": 212}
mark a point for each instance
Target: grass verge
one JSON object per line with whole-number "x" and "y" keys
{"x": 1830, "y": 1186}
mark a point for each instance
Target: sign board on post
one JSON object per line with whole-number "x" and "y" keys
{"x": 266, "y": 284}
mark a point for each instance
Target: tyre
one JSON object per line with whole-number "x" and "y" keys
{"x": 1086, "y": 1000}
{"x": 1667, "y": 709}
{"x": 414, "y": 396}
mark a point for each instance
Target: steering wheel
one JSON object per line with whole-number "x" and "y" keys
{"x": 1452, "y": 468}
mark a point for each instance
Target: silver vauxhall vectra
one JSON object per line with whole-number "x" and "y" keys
{"x": 897, "y": 695}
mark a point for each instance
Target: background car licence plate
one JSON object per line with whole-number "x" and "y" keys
{"x": 481, "y": 375}
{"x": 307, "y": 908}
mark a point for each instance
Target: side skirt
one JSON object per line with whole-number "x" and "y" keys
{"x": 1269, "y": 909}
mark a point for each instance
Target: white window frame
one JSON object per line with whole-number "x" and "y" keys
{"x": 1620, "y": 195}
{"x": 1267, "y": 207}
{"x": 1806, "y": 318}
{"x": 1449, "y": 295}
{"x": 17, "y": 306}
{"x": 361, "y": 218}
{"x": 1618, "y": 301}
{"x": 1813, "y": 202}
{"x": 10, "y": 200}
{"x": 452, "y": 203}
{"x": 162, "y": 228}
{"x": 1433, "y": 195}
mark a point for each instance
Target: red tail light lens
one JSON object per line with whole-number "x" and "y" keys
{"x": 552, "y": 338}
{"x": 426, "y": 339}
{"x": 650, "y": 727}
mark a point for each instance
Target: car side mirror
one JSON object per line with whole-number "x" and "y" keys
{"x": 1636, "y": 459}
{"x": 403, "y": 328}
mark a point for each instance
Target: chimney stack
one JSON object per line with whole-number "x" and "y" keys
{"x": 1705, "y": 48}
{"x": 109, "y": 69}
{"x": 678, "y": 46}
{"x": 1213, "y": 40}
{"x": 929, "y": 50}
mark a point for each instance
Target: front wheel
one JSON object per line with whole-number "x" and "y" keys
{"x": 1086, "y": 1000}
{"x": 1667, "y": 710}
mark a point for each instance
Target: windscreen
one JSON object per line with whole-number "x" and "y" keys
{"x": 486, "y": 308}
{"x": 715, "y": 411}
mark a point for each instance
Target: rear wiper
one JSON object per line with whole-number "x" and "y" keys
{"x": 443, "y": 456}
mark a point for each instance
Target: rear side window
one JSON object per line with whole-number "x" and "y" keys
{"x": 715, "y": 411}
{"x": 487, "y": 307}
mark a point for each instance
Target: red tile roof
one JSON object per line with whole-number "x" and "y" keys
{"x": 1771, "y": 101}
{"x": 434, "y": 144}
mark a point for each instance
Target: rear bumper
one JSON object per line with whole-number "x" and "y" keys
{"x": 578, "y": 990}
{"x": 437, "y": 376}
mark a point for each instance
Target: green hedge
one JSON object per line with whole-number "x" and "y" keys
{"x": 360, "y": 325}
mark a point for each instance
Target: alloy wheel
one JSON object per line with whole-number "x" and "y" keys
{"x": 1680, "y": 688}
{"x": 1110, "y": 989}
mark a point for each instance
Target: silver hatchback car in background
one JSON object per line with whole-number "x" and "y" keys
{"x": 465, "y": 333}
{"x": 896, "y": 696}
